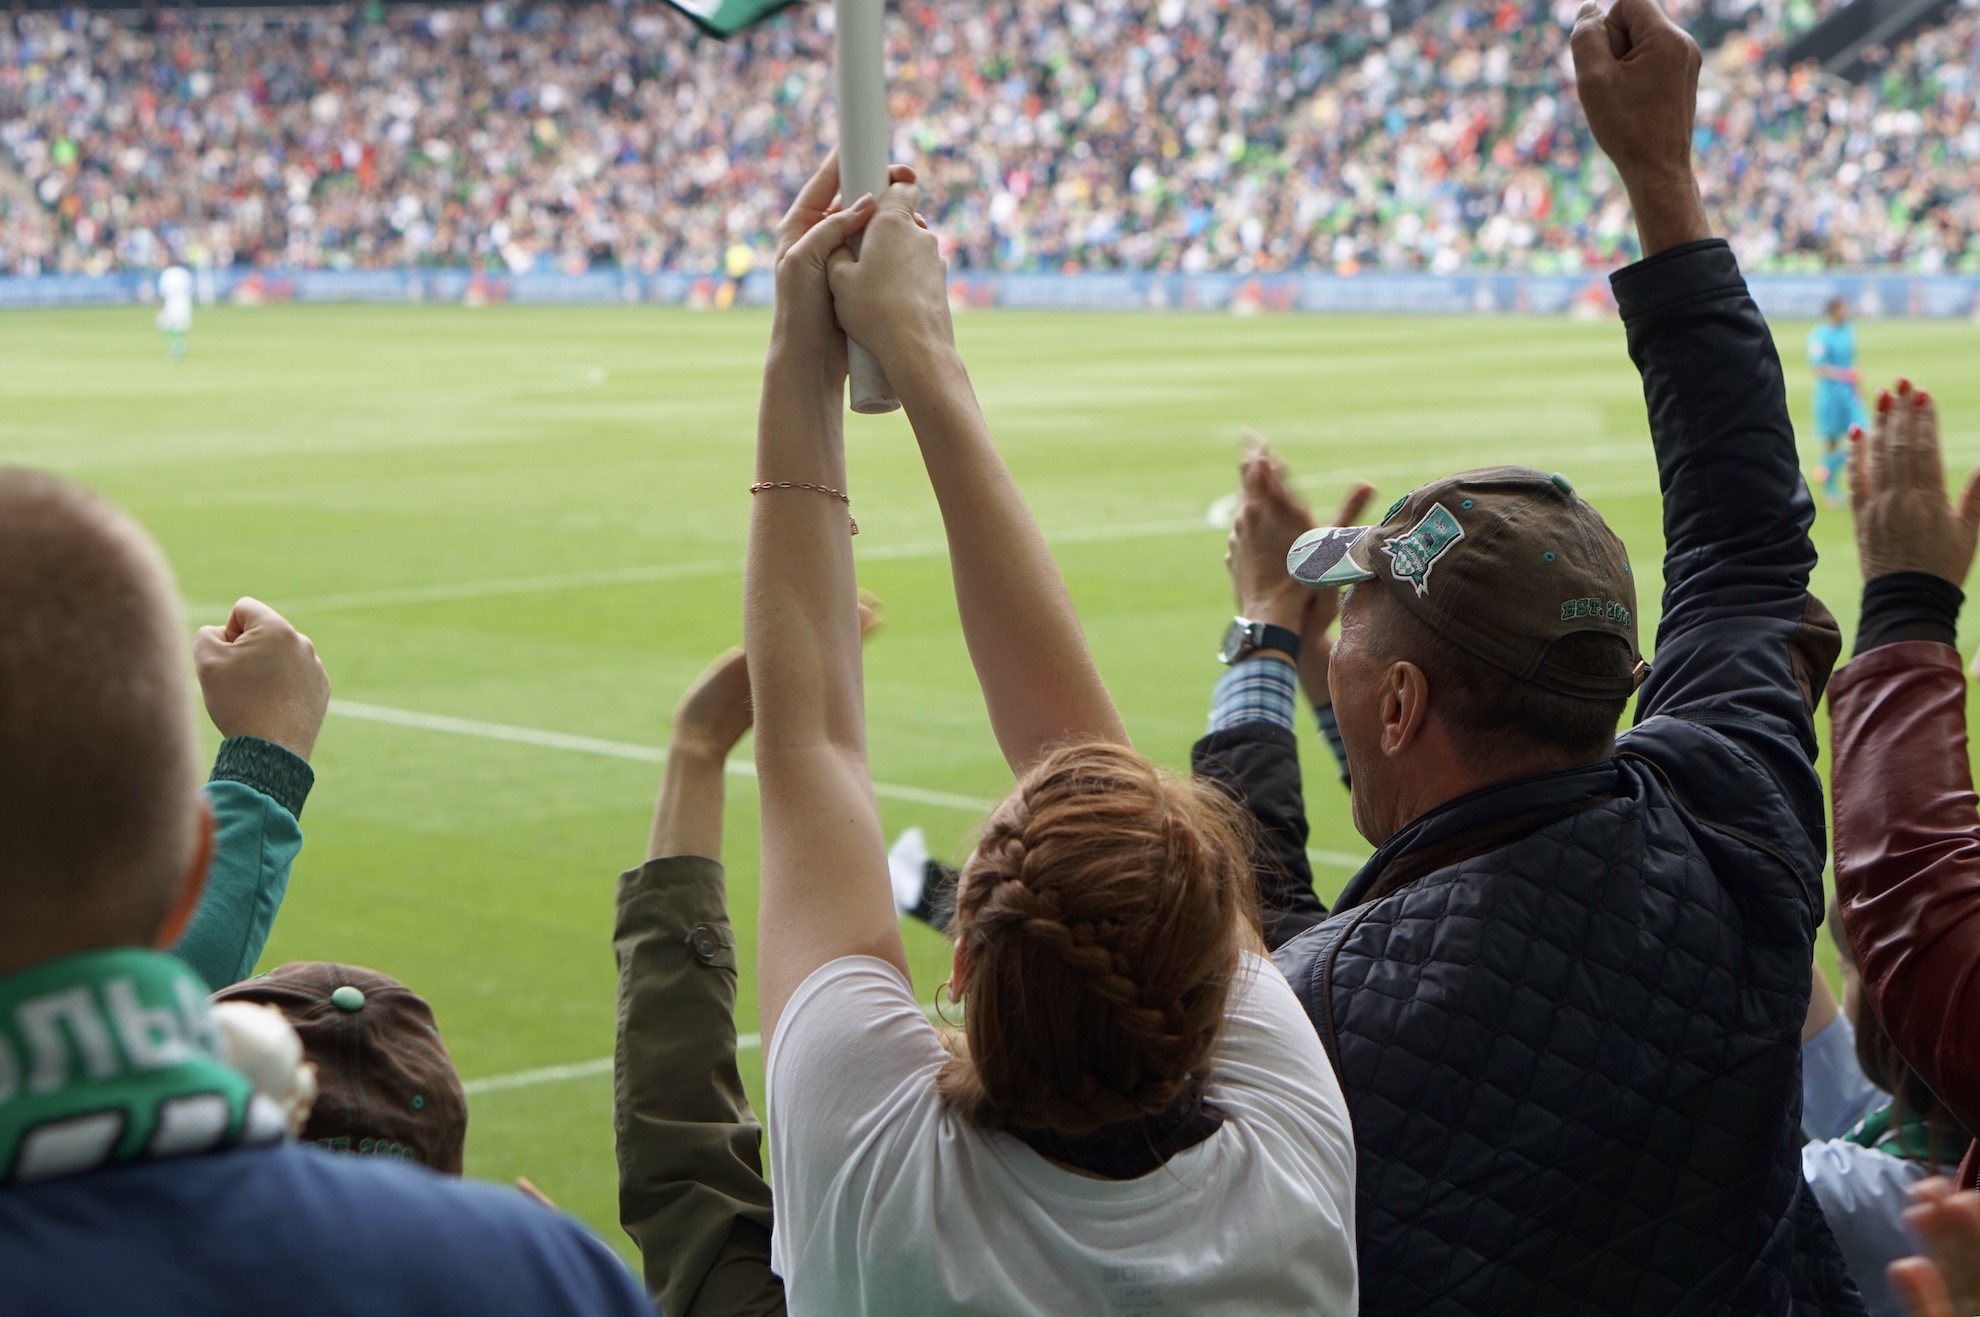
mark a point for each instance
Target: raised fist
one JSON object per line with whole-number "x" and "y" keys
{"x": 261, "y": 677}
{"x": 1637, "y": 75}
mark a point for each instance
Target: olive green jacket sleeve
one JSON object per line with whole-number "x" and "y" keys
{"x": 257, "y": 792}
{"x": 691, "y": 1188}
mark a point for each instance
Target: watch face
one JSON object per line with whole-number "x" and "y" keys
{"x": 1236, "y": 641}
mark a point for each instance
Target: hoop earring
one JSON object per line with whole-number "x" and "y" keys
{"x": 940, "y": 1014}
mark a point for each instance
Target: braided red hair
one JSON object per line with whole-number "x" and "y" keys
{"x": 1100, "y": 921}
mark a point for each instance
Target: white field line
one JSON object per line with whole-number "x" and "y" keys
{"x": 647, "y": 754}
{"x": 598, "y": 1065}
{"x": 303, "y": 607}
{"x": 561, "y": 1074}
{"x": 652, "y": 573}
{"x": 564, "y": 1074}
{"x": 447, "y": 593}
{"x": 592, "y": 745}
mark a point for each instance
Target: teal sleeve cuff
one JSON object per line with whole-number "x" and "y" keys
{"x": 282, "y": 776}
{"x": 255, "y": 844}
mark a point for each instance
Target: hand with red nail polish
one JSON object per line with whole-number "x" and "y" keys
{"x": 1897, "y": 494}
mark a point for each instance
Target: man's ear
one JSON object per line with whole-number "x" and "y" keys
{"x": 193, "y": 886}
{"x": 1405, "y": 707}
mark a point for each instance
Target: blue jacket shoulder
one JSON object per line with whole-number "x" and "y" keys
{"x": 296, "y": 1230}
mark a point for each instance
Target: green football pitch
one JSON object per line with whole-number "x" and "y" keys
{"x": 516, "y": 533}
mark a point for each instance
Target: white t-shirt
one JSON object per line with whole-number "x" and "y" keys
{"x": 889, "y": 1203}
{"x": 175, "y": 295}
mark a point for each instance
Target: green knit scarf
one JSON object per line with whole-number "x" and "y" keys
{"x": 1914, "y": 1139}
{"x": 112, "y": 1057}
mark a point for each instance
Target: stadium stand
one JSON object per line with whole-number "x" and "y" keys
{"x": 1052, "y": 134}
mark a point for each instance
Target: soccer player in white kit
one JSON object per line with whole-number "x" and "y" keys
{"x": 175, "y": 295}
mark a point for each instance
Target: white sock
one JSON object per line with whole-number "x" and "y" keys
{"x": 907, "y": 866}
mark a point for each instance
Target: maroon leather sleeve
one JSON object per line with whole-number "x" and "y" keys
{"x": 1908, "y": 857}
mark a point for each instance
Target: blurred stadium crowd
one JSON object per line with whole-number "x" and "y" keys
{"x": 1057, "y": 134}
{"x": 1562, "y": 1042}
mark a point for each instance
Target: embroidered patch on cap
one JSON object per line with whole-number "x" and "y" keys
{"x": 1414, "y": 552}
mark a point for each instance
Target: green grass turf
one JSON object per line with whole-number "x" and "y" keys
{"x": 354, "y": 464}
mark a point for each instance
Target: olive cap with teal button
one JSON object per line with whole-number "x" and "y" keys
{"x": 1503, "y": 562}
{"x": 386, "y": 1086}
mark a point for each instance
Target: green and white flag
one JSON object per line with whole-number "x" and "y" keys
{"x": 725, "y": 18}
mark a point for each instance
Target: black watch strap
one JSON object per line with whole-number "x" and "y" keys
{"x": 1247, "y": 637}
{"x": 1283, "y": 639}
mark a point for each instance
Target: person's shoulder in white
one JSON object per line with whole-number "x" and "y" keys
{"x": 1273, "y": 1072}
{"x": 855, "y": 1048}
{"x": 877, "y": 1179}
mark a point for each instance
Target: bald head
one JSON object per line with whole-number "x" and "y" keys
{"x": 100, "y": 819}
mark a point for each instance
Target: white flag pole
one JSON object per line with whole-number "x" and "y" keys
{"x": 862, "y": 84}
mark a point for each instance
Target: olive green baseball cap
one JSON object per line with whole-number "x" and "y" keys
{"x": 1502, "y": 562}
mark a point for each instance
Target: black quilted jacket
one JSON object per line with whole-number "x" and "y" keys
{"x": 1570, "y": 1032}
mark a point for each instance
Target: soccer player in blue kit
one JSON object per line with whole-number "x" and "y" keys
{"x": 1832, "y": 352}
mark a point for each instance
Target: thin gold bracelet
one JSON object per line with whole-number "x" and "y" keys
{"x": 839, "y": 494}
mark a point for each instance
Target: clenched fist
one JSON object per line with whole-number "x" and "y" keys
{"x": 1636, "y": 73}
{"x": 261, "y": 677}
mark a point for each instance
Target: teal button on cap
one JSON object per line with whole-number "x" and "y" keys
{"x": 1562, "y": 483}
{"x": 347, "y": 998}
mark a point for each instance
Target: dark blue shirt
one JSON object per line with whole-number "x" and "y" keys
{"x": 1566, "y": 1010}
{"x": 293, "y": 1230}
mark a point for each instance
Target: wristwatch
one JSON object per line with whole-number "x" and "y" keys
{"x": 1247, "y": 637}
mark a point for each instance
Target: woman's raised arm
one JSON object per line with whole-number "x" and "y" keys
{"x": 1031, "y": 659}
{"x": 825, "y": 892}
